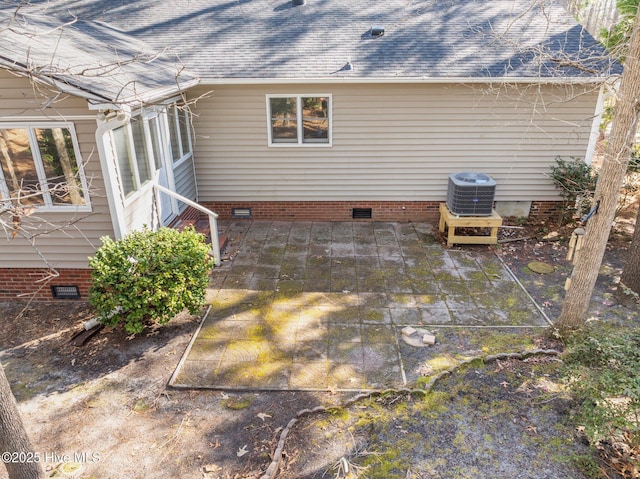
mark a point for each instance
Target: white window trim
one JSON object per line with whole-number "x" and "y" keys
{"x": 184, "y": 156}
{"x": 140, "y": 188}
{"x": 39, "y": 165}
{"x": 144, "y": 115}
{"x": 300, "y": 143}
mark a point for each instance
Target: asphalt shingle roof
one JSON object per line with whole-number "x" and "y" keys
{"x": 449, "y": 40}
{"x": 223, "y": 39}
{"x": 88, "y": 58}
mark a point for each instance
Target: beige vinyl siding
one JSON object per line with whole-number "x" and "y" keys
{"x": 184, "y": 182}
{"x": 71, "y": 246}
{"x": 391, "y": 142}
{"x": 19, "y": 97}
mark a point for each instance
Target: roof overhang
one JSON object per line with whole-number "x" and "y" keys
{"x": 92, "y": 60}
{"x": 407, "y": 80}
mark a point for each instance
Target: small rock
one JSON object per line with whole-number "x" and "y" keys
{"x": 211, "y": 468}
{"x": 417, "y": 339}
{"x": 429, "y": 339}
{"x": 408, "y": 331}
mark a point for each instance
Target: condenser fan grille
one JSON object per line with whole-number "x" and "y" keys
{"x": 471, "y": 194}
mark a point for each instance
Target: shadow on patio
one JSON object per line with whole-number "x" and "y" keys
{"x": 322, "y": 305}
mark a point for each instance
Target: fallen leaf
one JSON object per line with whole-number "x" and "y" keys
{"x": 263, "y": 416}
{"x": 242, "y": 451}
{"x": 211, "y": 468}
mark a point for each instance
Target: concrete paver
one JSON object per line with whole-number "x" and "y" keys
{"x": 321, "y": 305}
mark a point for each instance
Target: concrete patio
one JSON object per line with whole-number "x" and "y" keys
{"x": 321, "y": 306}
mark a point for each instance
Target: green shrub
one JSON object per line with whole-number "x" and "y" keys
{"x": 576, "y": 181}
{"x": 604, "y": 367}
{"x": 149, "y": 277}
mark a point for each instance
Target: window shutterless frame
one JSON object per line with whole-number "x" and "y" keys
{"x": 141, "y": 147}
{"x": 179, "y": 129}
{"x": 300, "y": 120}
{"x": 127, "y": 161}
{"x": 138, "y": 152}
{"x": 48, "y": 202}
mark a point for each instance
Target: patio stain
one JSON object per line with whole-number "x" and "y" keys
{"x": 374, "y": 315}
{"x": 322, "y": 311}
{"x": 237, "y": 404}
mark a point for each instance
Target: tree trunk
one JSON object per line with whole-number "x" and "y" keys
{"x": 14, "y": 441}
{"x": 6, "y": 154}
{"x": 610, "y": 179}
{"x": 72, "y": 182}
{"x": 630, "y": 278}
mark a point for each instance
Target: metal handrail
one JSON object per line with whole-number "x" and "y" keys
{"x": 213, "y": 223}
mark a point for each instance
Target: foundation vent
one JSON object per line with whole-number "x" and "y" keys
{"x": 361, "y": 213}
{"x": 65, "y": 292}
{"x": 241, "y": 213}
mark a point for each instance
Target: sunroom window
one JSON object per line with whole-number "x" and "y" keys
{"x": 299, "y": 119}
{"x": 134, "y": 154}
{"x": 152, "y": 136}
{"x": 40, "y": 166}
{"x": 179, "y": 132}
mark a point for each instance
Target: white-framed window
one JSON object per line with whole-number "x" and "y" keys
{"x": 299, "y": 120}
{"x": 133, "y": 154}
{"x": 40, "y": 166}
{"x": 179, "y": 122}
{"x": 150, "y": 137}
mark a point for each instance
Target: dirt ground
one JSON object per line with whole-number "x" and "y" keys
{"x": 107, "y": 407}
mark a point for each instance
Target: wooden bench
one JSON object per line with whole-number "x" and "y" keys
{"x": 448, "y": 219}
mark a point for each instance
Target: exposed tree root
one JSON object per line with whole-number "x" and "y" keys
{"x": 274, "y": 467}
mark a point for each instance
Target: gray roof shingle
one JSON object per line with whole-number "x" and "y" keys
{"x": 448, "y": 40}
{"x": 88, "y": 58}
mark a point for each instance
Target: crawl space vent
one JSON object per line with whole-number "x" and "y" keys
{"x": 471, "y": 194}
{"x": 361, "y": 213}
{"x": 65, "y": 292}
{"x": 241, "y": 213}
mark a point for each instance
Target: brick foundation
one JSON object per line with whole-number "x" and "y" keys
{"x": 28, "y": 283}
{"x": 342, "y": 210}
{"x": 545, "y": 209}
{"x": 331, "y": 210}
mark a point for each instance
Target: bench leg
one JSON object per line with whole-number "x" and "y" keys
{"x": 451, "y": 235}
{"x": 494, "y": 234}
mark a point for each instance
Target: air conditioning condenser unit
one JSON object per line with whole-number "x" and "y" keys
{"x": 470, "y": 194}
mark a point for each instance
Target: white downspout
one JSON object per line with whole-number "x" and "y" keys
{"x": 110, "y": 122}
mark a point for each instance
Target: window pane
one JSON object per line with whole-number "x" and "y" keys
{"x": 284, "y": 124}
{"x": 60, "y": 166}
{"x": 19, "y": 168}
{"x": 183, "y": 119}
{"x": 140, "y": 146}
{"x": 316, "y": 131}
{"x": 155, "y": 142}
{"x": 173, "y": 134}
{"x": 121, "y": 140}
{"x": 315, "y": 119}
